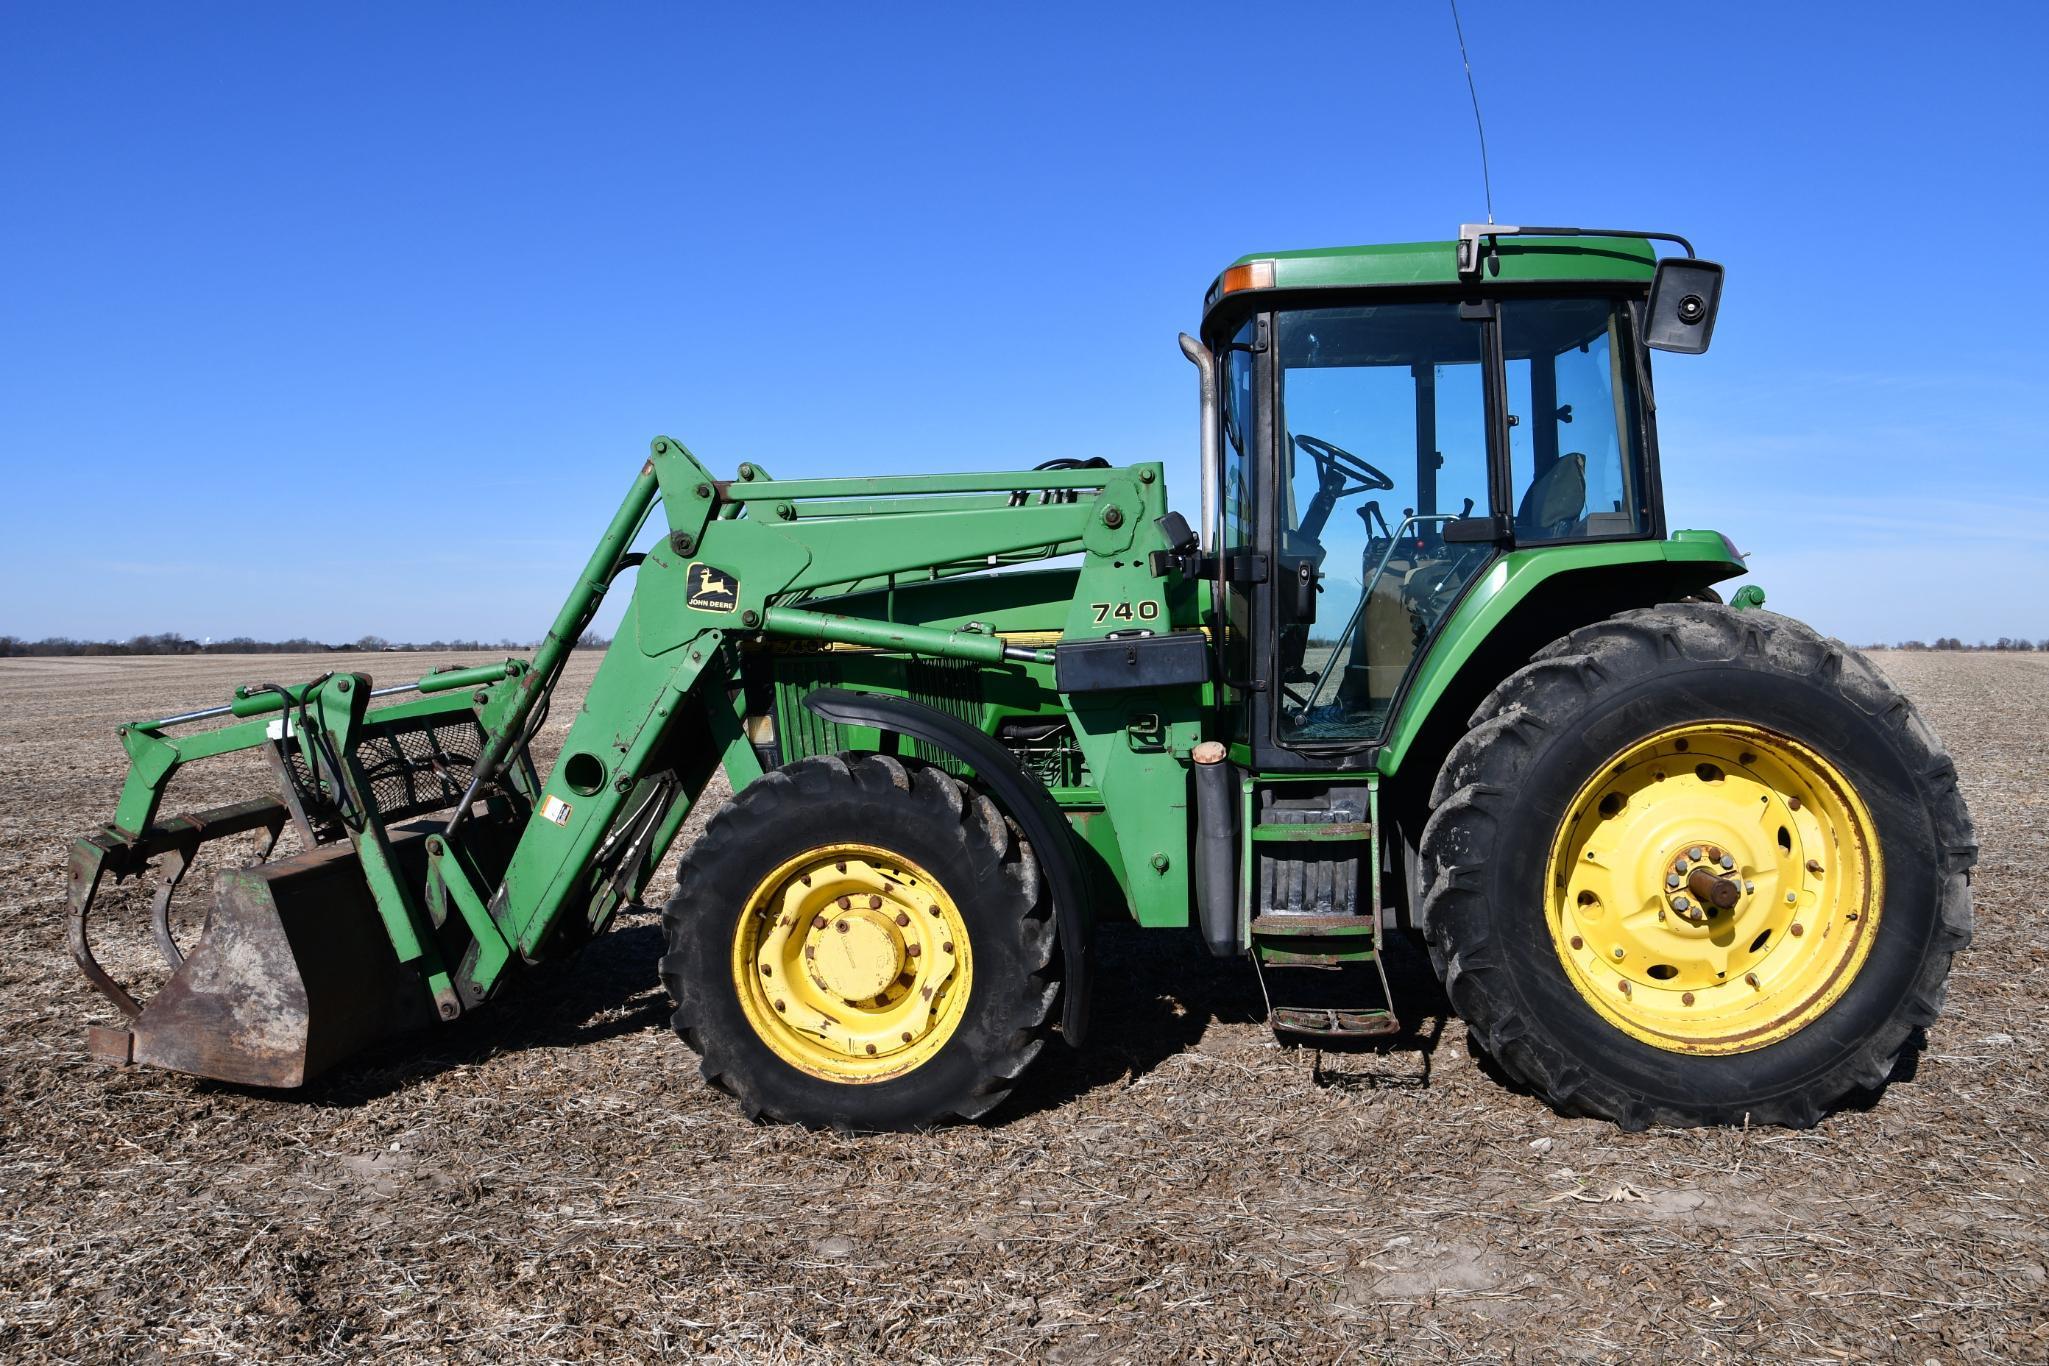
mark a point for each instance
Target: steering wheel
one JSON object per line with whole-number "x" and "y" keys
{"x": 1333, "y": 457}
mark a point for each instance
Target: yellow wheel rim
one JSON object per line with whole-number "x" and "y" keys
{"x": 1715, "y": 888}
{"x": 852, "y": 963}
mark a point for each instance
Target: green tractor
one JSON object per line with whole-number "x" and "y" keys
{"x": 1429, "y": 657}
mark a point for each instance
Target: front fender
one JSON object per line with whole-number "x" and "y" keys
{"x": 1021, "y": 797}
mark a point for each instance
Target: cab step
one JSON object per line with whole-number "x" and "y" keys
{"x": 1290, "y": 924}
{"x": 1314, "y": 969}
{"x": 1317, "y": 832}
{"x": 1330, "y": 1023}
{"x": 1310, "y": 907}
{"x": 1294, "y": 939}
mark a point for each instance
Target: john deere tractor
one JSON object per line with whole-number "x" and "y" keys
{"x": 1428, "y": 656}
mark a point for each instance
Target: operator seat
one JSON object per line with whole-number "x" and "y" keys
{"x": 1555, "y": 500}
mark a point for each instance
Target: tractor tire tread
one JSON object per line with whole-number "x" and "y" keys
{"x": 992, "y": 844}
{"x": 1469, "y": 800}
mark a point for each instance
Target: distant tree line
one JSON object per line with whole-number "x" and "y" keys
{"x": 1952, "y": 643}
{"x": 173, "y": 643}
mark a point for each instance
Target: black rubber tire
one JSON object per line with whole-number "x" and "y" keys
{"x": 1505, "y": 787}
{"x": 922, "y": 813}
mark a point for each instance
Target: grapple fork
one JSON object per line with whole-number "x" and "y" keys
{"x": 302, "y": 961}
{"x": 176, "y": 842}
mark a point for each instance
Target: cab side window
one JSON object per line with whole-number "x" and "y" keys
{"x": 1575, "y": 438}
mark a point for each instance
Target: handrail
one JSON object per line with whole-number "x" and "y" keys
{"x": 1366, "y": 593}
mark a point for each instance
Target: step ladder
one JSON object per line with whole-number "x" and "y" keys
{"x": 1310, "y": 938}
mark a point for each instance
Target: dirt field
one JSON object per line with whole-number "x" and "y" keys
{"x": 550, "y": 1178}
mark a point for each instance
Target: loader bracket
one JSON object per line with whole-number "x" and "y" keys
{"x": 1023, "y": 798}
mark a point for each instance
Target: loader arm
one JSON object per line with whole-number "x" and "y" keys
{"x": 666, "y": 707}
{"x": 385, "y": 921}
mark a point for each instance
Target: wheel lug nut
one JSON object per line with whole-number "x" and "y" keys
{"x": 1727, "y": 861}
{"x": 1680, "y": 903}
{"x": 1694, "y": 853}
{"x": 903, "y": 918}
{"x": 817, "y": 922}
{"x": 907, "y": 1036}
{"x": 1714, "y": 854}
{"x": 1686, "y": 999}
{"x": 1795, "y": 930}
{"x": 1749, "y": 887}
{"x": 1578, "y": 943}
{"x": 1673, "y": 879}
{"x": 1792, "y": 803}
{"x": 915, "y": 949}
{"x": 874, "y": 903}
{"x": 871, "y": 1048}
{"x": 1679, "y": 866}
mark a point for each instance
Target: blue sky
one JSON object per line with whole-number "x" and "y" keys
{"x": 348, "y": 319}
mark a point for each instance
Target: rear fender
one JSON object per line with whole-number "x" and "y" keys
{"x": 1528, "y": 598}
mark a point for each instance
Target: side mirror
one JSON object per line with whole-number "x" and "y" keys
{"x": 1684, "y": 295}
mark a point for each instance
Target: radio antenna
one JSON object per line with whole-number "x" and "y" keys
{"x": 1486, "y": 182}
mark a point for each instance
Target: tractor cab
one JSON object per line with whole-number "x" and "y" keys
{"x": 1389, "y": 422}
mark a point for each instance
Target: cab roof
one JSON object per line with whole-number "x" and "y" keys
{"x": 1521, "y": 259}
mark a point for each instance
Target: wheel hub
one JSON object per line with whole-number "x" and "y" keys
{"x": 1703, "y": 882}
{"x": 852, "y": 963}
{"x": 1713, "y": 888}
{"x": 854, "y": 956}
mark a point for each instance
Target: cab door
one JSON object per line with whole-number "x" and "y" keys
{"x": 1382, "y": 440}
{"x": 1242, "y": 612}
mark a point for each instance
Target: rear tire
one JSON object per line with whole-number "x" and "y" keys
{"x": 1550, "y": 758}
{"x": 813, "y": 955}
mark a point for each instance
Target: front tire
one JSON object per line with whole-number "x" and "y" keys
{"x": 1697, "y": 866}
{"x": 862, "y": 943}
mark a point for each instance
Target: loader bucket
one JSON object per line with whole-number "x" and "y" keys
{"x": 294, "y": 973}
{"x": 295, "y": 970}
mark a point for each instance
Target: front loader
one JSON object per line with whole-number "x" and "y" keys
{"x": 1429, "y": 657}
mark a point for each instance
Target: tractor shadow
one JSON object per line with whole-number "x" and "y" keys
{"x": 1157, "y": 992}
{"x": 608, "y": 988}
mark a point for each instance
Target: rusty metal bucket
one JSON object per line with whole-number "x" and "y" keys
{"x": 293, "y": 973}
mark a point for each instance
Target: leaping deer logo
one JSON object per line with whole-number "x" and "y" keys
{"x": 711, "y": 590}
